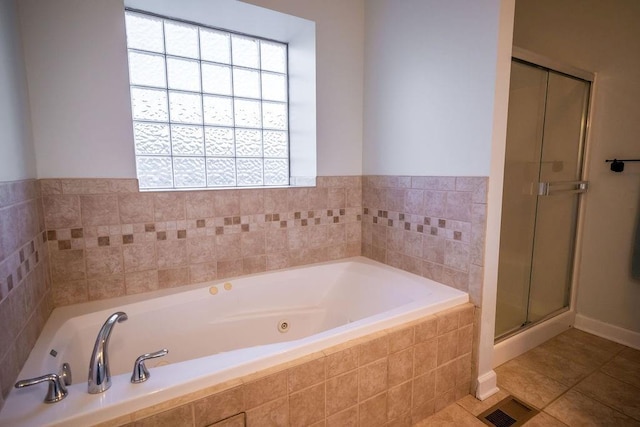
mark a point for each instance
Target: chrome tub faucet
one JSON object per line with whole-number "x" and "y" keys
{"x": 99, "y": 375}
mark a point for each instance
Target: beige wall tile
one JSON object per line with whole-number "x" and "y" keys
{"x": 400, "y": 366}
{"x": 342, "y": 392}
{"x": 346, "y": 418}
{"x": 62, "y": 211}
{"x": 173, "y": 277}
{"x": 139, "y": 257}
{"x": 426, "y": 330}
{"x": 342, "y": 361}
{"x": 425, "y": 356}
{"x": 229, "y": 246}
{"x": 445, "y": 377}
{"x": 297, "y": 199}
{"x": 106, "y": 287}
{"x": 229, "y": 268}
{"x": 373, "y": 350}
{"x": 260, "y": 391}
{"x": 103, "y": 261}
{"x": 227, "y": 203}
{"x": 67, "y": 266}
{"x": 318, "y": 198}
{"x": 307, "y": 406}
{"x": 373, "y": 412}
{"x": 135, "y": 207}
{"x": 181, "y": 416}
{"x": 458, "y": 206}
{"x": 424, "y": 388}
{"x": 171, "y": 253}
{"x": 169, "y": 206}
{"x": 401, "y": 339}
{"x": 99, "y": 209}
{"x": 306, "y": 375}
{"x": 252, "y": 243}
{"x": 254, "y": 264}
{"x": 200, "y": 204}
{"x": 275, "y": 240}
{"x": 403, "y": 420}
{"x": 70, "y": 292}
{"x": 372, "y": 379}
{"x": 141, "y": 281}
{"x": 205, "y": 272}
{"x": 251, "y": 202}
{"x": 201, "y": 249}
{"x": 274, "y": 413}
{"x": 447, "y": 347}
{"x": 399, "y": 400}
{"x": 218, "y": 406}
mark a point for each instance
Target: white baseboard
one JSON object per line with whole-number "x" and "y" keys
{"x": 529, "y": 338}
{"x": 487, "y": 385}
{"x": 608, "y": 331}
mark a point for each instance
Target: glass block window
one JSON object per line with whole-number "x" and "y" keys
{"x": 210, "y": 107}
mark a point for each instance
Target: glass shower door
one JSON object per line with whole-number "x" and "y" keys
{"x": 543, "y": 166}
{"x": 558, "y": 196}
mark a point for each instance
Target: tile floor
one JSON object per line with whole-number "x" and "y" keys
{"x": 575, "y": 379}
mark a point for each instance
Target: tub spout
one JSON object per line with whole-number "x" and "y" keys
{"x": 99, "y": 375}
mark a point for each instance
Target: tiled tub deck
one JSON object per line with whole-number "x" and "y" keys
{"x": 398, "y": 376}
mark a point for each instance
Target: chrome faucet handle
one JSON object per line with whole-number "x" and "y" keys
{"x": 140, "y": 372}
{"x": 57, "y": 388}
{"x": 65, "y": 373}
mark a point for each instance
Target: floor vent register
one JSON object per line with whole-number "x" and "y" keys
{"x": 509, "y": 412}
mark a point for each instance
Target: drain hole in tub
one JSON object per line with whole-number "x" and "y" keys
{"x": 283, "y": 326}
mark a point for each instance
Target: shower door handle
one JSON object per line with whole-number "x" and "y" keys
{"x": 562, "y": 187}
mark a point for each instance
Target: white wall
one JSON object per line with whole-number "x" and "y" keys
{"x": 17, "y": 158}
{"x": 429, "y": 86}
{"x": 75, "y": 54}
{"x": 76, "y": 66}
{"x": 604, "y": 38}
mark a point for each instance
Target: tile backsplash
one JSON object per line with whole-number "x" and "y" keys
{"x": 431, "y": 226}
{"x": 107, "y": 239}
{"x": 25, "y": 297}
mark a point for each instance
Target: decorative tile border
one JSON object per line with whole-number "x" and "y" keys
{"x": 121, "y": 242}
{"x": 431, "y": 226}
{"x": 25, "y": 297}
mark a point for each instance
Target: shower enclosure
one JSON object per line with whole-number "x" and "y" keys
{"x": 543, "y": 184}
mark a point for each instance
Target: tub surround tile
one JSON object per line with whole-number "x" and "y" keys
{"x": 330, "y": 388}
{"x": 229, "y": 232}
{"x": 431, "y": 226}
{"x": 219, "y": 406}
{"x": 346, "y": 418}
{"x": 307, "y": 406}
{"x": 306, "y": 375}
{"x": 25, "y": 280}
{"x": 342, "y": 392}
{"x": 373, "y": 412}
{"x": 260, "y": 391}
{"x": 372, "y": 379}
{"x": 274, "y": 413}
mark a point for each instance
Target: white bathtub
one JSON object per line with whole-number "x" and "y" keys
{"x": 216, "y": 332}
